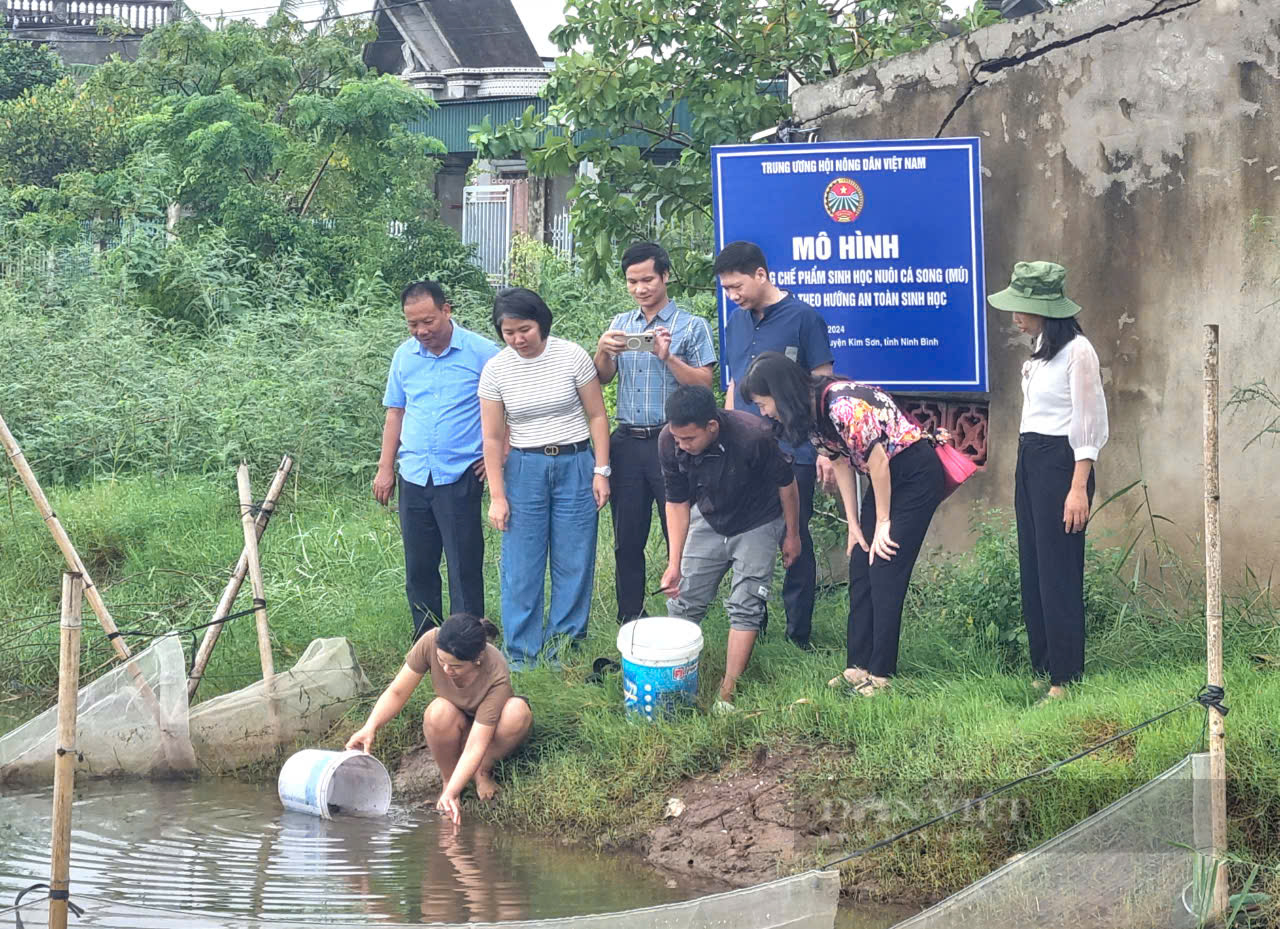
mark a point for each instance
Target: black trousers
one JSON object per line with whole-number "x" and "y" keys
{"x": 635, "y": 486}
{"x": 877, "y": 591}
{"x": 802, "y": 577}
{"x": 1050, "y": 559}
{"x": 436, "y": 519}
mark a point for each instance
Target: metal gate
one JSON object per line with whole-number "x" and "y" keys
{"x": 486, "y": 224}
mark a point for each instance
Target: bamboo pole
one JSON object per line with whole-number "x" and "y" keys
{"x": 179, "y": 756}
{"x": 259, "y": 596}
{"x": 64, "y": 763}
{"x": 1213, "y": 619}
{"x": 60, "y": 536}
{"x": 232, "y": 590}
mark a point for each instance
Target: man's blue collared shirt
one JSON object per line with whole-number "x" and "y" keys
{"x": 644, "y": 382}
{"x": 440, "y": 437}
{"x": 790, "y": 326}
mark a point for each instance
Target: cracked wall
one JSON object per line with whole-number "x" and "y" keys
{"x": 1137, "y": 144}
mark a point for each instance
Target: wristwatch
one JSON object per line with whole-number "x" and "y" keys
{"x": 603, "y": 471}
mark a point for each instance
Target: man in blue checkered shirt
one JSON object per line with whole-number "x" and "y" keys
{"x": 674, "y": 348}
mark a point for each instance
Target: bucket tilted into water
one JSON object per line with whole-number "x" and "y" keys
{"x": 659, "y": 664}
{"x": 325, "y": 784}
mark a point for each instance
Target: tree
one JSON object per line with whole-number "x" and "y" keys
{"x": 24, "y": 65}
{"x": 276, "y": 139}
{"x": 722, "y": 64}
{"x": 57, "y": 128}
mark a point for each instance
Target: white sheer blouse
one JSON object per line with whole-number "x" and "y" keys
{"x": 1063, "y": 396}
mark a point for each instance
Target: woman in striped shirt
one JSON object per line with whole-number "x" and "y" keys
{"x": 540, "y": 397}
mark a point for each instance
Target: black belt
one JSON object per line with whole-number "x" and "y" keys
{"x": 554, "y": 450}
{"x": 640, "y": 432}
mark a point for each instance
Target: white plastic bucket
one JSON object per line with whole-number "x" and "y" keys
{"x": 659, "y": 663}
{"x": 323, "y": 783}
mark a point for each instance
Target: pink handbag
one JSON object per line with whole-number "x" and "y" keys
{"x": 956, "y": 468}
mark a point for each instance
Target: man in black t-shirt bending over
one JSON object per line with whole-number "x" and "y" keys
{"x": 731, "y": 502}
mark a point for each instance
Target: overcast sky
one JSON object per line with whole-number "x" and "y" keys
{"x": 539, "y": 16}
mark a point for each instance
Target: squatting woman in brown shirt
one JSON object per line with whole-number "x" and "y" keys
{"x": 475, "y": 718}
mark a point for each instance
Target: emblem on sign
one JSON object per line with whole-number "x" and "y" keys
{"x": 843, "y": 199}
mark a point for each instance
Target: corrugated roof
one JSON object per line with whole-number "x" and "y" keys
{"x": 450, "y": 122}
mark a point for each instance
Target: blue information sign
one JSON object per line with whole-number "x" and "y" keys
{"x": 884, "y": 239}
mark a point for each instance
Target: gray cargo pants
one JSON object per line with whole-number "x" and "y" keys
{"x": 708, "y": 555}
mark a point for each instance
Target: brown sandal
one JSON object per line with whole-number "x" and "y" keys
{"x": 869, "y": 686}
{"x": 850, "y": 677}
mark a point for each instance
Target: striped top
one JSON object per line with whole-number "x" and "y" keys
{"x": 540, "y": 395}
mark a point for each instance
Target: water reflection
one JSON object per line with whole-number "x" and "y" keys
{"x": 228, "y": 848}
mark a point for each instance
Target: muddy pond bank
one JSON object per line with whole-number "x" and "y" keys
{"x": 739, "y": 826}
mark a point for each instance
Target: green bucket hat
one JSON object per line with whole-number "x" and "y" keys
{"x": 1036, "y": 288}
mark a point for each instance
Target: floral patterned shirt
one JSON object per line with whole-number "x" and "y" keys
{"x": 857, "y": 418}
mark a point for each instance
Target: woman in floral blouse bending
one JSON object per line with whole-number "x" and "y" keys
{"x": 859, "y": 426}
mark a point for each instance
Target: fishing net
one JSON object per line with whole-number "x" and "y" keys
{"x": 130, "y": 721}
{"x": 1140, "y": 863}
{"x": 237, "y": 729}
{"x": 805, "y": 901}
{"x": 135, "y": 721}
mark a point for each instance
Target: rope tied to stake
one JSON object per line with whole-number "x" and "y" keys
{"x": 53, "y": 895}
{"x": 258, "y": 604}
{"x": 1211, "y": 697}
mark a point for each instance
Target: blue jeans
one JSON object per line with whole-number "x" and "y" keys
{"x": 552, "y": 509}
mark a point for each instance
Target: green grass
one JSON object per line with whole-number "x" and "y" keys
{"x": 959, "y": 720}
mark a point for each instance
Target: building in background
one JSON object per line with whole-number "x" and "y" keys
{"x": 70, "y": 27}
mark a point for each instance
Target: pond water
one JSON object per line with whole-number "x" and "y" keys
{"x": 219, "y": 846}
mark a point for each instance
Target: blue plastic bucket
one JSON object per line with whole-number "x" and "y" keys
{"x": 325, "y": 783}
{"x": 659, "y": 664}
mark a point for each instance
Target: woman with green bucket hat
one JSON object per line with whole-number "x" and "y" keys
{"x": 1064, "y": 425}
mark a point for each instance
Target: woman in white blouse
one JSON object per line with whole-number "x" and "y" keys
{"x": 1064, "y": 425}
{"x": 540, "y": 398}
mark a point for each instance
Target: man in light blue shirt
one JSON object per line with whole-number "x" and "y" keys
{"x": 432, "y": 431}
{"x": 675, "y": 348}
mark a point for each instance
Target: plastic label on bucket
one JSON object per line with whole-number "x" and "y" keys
{"x": 325, "y": 783}
{"x": 660, "y": 657}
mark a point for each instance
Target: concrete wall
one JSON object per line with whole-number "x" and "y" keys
{"x": 79, "y": 46}
{"x": 1132, "y": 143}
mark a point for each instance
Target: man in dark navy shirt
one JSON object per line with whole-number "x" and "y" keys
{"x": 770, "y": 319}
{"x": 731, "y": 503}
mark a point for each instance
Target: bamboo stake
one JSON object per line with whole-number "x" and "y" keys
{"x": 1213, "y": 619}
{"x": 259, "y": 596}
{"x": 237, "y": 579}
{"x": 179, "y": 756}
{"x": 60, "y": 536}
{"x": 64, "y": 763}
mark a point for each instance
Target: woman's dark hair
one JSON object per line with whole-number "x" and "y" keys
{"x": 1056, "y": 333}
{"x": 464, "y": 636}
{"x": 521, "y": 303}
{"x": 792, "y": 388}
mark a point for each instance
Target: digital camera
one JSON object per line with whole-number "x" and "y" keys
{"x": 640, "y": 342}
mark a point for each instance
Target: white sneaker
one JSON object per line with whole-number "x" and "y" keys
{"x": 723, "y": 708}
